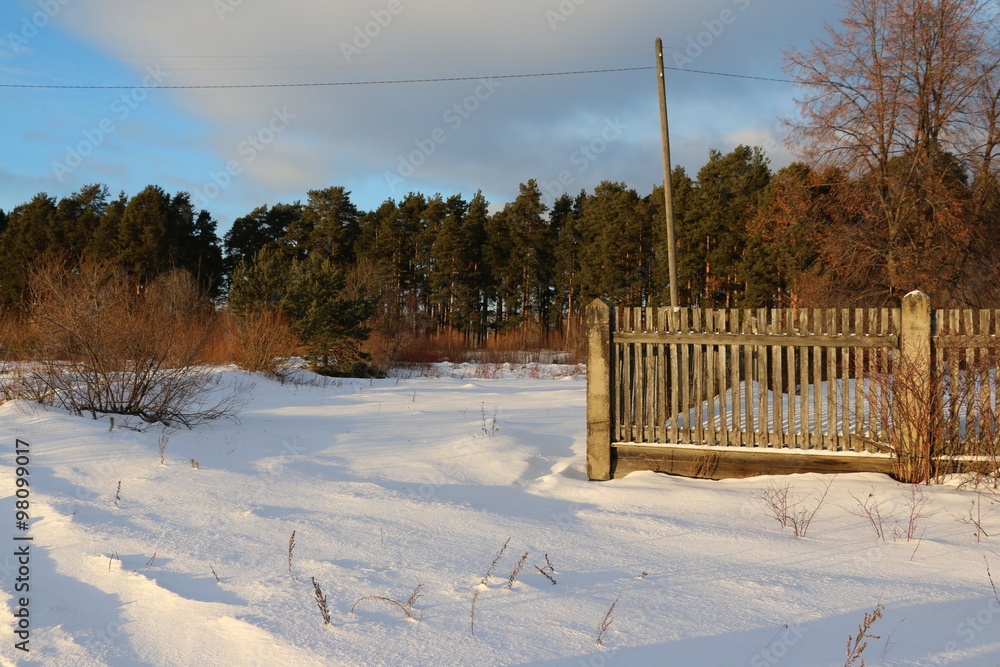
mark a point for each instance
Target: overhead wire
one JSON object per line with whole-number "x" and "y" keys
{"x": 327, "y": 55}
{"x": 369, "y": 56}
{"x": 322, "y": 83}
{"x": 389, "y": 81}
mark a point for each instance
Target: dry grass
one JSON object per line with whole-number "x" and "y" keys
{"x": 857, "y": 644}
{"x": 605, "y": 624}
{"x": 321, "y": 602}
{"x": 405, "y": 607}
{"x": 528, "y": 344}
{"x": 516, "y": 571}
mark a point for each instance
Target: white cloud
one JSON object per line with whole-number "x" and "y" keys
{"x": 526, "y": 128}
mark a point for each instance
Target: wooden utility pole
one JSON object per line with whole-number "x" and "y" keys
{"x": 668, "y": 190}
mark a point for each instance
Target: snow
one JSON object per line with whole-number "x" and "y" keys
{"x": 420, "y": 479}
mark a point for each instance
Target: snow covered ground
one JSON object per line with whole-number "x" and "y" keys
{"x": 388, "y": 484}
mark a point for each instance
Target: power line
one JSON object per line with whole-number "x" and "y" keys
{"x": 394, "y": 81}
{"x": 304, "y": 67}
{"x": 328, "y": 83}
{"x": 735, "y": 76}
{"x": 323, "y": 55}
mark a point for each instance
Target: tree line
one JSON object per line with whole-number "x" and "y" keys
{"x": 746, "y": 237}
{"x": 897, "y": 190}
{"x": 433, "y": 262}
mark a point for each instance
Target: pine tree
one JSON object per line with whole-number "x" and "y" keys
{"x": 310, "y": 293}
{"x": 688, "y": 263}
{"x": 258, "y": 284}
{"x": 262, "y": 227}
{"x": 77, "y": 219}
{"x": 330, "y": 324}
{"x": 328, "y": 227}
{"x": 143, "y": 233}
{"x": 449, "y": 266}
{"x": 498, "y": 287}
{"x": 715, "y": 230}
{"x": 531, "y": 259}
{"x": 469, "y": 311}
{"x": 618, "y": 247}
{"x": 202, "y": 255}
{"x": 26, "y": 238}
{"x": 104, "y": 246}
{"x": 567, "y": 255}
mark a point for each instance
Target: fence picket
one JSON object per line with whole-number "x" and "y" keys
{"x": 760, "y": 371}
{"x": 747, "y": 326}
{"x": 710, "y": 366}
{"x": 663, "y": 378}
{"x": 777, "y": 386}
{"x": 722, "y": 354}
{"x": 685, "y": 380}
{"x": 697, "y": 363}
{"x": 675, "y": 381}
{"x": 832, "y": 409}
{"x": 805, "y": 414}
{"x": 735, "y": 360}
{"x": 791, "y": 353}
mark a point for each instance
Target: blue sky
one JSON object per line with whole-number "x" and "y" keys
{"x": 237, "y": 148}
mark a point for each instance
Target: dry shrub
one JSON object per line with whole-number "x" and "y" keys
{"x": 15, "y": 336}
{"x": 261, "y": 342}
{"x": 527, "y": 344}
{"x": 106, "y": 345}
{"x": 948, "y": 422}
{"x": 398, "y": 328}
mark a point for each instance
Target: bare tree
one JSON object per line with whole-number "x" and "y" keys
{"x": 900, "y": 77}
{"x": 903, "y": 96}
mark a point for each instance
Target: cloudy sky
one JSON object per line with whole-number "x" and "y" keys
{"x": 239, "y": 147}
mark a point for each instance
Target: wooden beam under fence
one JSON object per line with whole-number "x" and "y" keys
{"x": 738, "y": 462}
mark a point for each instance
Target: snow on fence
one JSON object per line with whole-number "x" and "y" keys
{"x": 726, "y": 392}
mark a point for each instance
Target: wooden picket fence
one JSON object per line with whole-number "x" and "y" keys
{"x": 732, "y": 393}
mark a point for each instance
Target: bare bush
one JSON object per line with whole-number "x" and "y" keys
{"x": 946, "y": 422}
{"x": 261, "y": 341}
{"x": 107, "y": 345}
{"x": 789, "y": 511}
{"x": 899, "y": 522}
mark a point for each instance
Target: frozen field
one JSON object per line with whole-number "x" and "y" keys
{"x": 140, "y": 556}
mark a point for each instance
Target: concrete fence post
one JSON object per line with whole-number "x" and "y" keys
{"x": 913, "y": 388}
{"x": 600, "y": 379}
